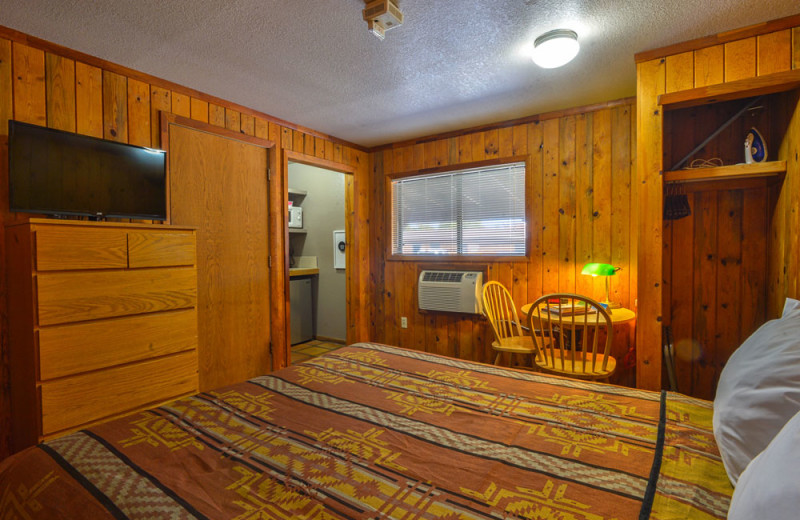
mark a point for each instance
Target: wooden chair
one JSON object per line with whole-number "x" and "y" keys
{"x": 575, "y": 327}
{"x": 499, "y": 308}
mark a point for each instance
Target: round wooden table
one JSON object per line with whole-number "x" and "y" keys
{"x": 618, "y": 315}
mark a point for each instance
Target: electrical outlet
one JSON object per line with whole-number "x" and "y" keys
{"x": 403, "y": 322}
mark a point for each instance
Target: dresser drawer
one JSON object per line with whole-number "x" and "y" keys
{"x": 70, "y": 402}
{"x": 71, "y": 349}
{"x": 66, "y": 248}
{"x": 160, "y": 248}
{"x": 83, "y": 296}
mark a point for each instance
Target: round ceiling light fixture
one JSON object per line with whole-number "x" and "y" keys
{"x": 555, "y": 48}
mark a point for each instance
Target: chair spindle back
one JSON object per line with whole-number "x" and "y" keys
{"x": 572, "y": 324}
{"x": 500, "y": 309}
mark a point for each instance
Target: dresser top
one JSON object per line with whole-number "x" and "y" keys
{"x": 92, "y": 224}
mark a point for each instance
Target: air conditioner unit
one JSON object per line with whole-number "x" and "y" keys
{"x": 450, "y": 291}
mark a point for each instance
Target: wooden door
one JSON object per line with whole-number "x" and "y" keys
{"x": 218, "y": 184}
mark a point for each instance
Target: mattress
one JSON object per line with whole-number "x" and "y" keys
{"x": 373, "y": 431}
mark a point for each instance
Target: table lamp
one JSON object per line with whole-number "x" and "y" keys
{"x": 605, "y": 270}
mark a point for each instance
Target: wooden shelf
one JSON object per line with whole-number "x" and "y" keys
{"x": 297, "y": 193}
{"x": 293, "y": 231}
{"x": 720, "y": 173}
{"x": 769, "y": 84}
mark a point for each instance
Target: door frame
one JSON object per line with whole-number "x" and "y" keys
{"x": 349, "y": 225}
{"x": 276, "y": 242}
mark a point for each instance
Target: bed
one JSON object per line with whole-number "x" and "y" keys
{"x": 373, "y": 431}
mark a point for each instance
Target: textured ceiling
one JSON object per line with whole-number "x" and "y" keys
{"x": 453, "y": 64}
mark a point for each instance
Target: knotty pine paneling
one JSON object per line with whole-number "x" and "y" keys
{"x": 181, "y": 104}
{"x": 89, "y": 99}
{"x": 6, "y": 101}
{"x": 784, "y": 272}
{"x": 139, "y": 113}
{"x": 60, "y": 88}
{"x": 715, "y": 280}
{"x": 115, "y": 107}
{"x": 199, "y": 110}
{"x": 664, "y": 249}
{"x": 29, "y": 85}
{"x": 68, "y": 90}
{"x": 580, "y": 207}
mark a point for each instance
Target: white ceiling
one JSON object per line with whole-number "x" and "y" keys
{"x": 452, "y": 64}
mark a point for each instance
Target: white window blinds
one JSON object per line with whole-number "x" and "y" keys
{"x": 474, "y": 212}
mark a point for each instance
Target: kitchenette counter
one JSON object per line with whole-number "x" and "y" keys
{"x": 302, "y": 271}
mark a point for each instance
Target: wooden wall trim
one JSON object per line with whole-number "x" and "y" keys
{"x": 459, "y": 167}
{"x": 154, "y": 81}
{"x": 555, "y": 114}
{"x": 650, "y": 79}
{"x": 170, "y": 118}
{"x": 311, "y": 160}
{"x": 279, "y": 249}
{"x": 739, "y": 89}
{"x": 716, "y": 39}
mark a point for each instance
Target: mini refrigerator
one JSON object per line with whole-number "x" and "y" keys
{"x": 302, "y": 324}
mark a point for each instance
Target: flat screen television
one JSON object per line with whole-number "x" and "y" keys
{"x": 61, "y": 173}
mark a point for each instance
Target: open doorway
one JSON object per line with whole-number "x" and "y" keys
{"x": 317, "y": 259}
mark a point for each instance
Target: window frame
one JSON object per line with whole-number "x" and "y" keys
{"x": 460, "y": 258}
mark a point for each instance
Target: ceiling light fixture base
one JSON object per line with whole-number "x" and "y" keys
{"x": 555, "y": 48}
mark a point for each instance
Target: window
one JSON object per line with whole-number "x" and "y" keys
{"x": 472, "y": 212}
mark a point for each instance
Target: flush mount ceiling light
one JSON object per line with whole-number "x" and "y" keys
{"x": 555, "y": 48}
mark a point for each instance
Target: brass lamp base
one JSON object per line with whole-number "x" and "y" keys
{"x": 608, "y": 302}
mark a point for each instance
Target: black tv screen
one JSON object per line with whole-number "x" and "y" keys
{"x": 61, "y": 173}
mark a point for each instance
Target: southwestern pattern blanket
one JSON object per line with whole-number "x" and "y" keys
{"x": 372, "y": 431}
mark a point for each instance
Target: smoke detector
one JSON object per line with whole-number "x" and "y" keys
{"x": 381, "y": 16}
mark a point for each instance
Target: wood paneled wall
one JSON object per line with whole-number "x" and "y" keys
{"x": 784, "y": 236}
{"x": 715, "y": 279}
{"x": 582, "y": 210}
{"x": 50, "y": 85}
{"x": 732, "y": 56}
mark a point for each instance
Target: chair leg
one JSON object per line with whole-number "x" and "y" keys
{"x": 497, "y": 358}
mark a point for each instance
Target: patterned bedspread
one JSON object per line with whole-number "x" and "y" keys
{"x": 371, "y": 431}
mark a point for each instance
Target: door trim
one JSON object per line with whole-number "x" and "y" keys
{"x": 349, "y": 221}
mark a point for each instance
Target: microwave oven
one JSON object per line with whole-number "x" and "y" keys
{"x": 295, "y": 217}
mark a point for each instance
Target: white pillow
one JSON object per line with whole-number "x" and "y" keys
{"x": 769, "y": 488}
{"x": 758, "y": 390}
{"x": 790, "y": 305}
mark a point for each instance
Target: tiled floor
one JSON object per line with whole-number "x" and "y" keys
{"x": 304, "y": 351}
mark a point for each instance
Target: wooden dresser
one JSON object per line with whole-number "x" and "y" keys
{"x": 102, "y": 321}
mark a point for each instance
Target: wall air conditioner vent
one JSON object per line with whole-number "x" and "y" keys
{"x": 450, "y": 291}
{"x": 443, "y": 276}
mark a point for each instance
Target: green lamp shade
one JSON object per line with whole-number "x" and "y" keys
{"x": 599, "y": 269}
